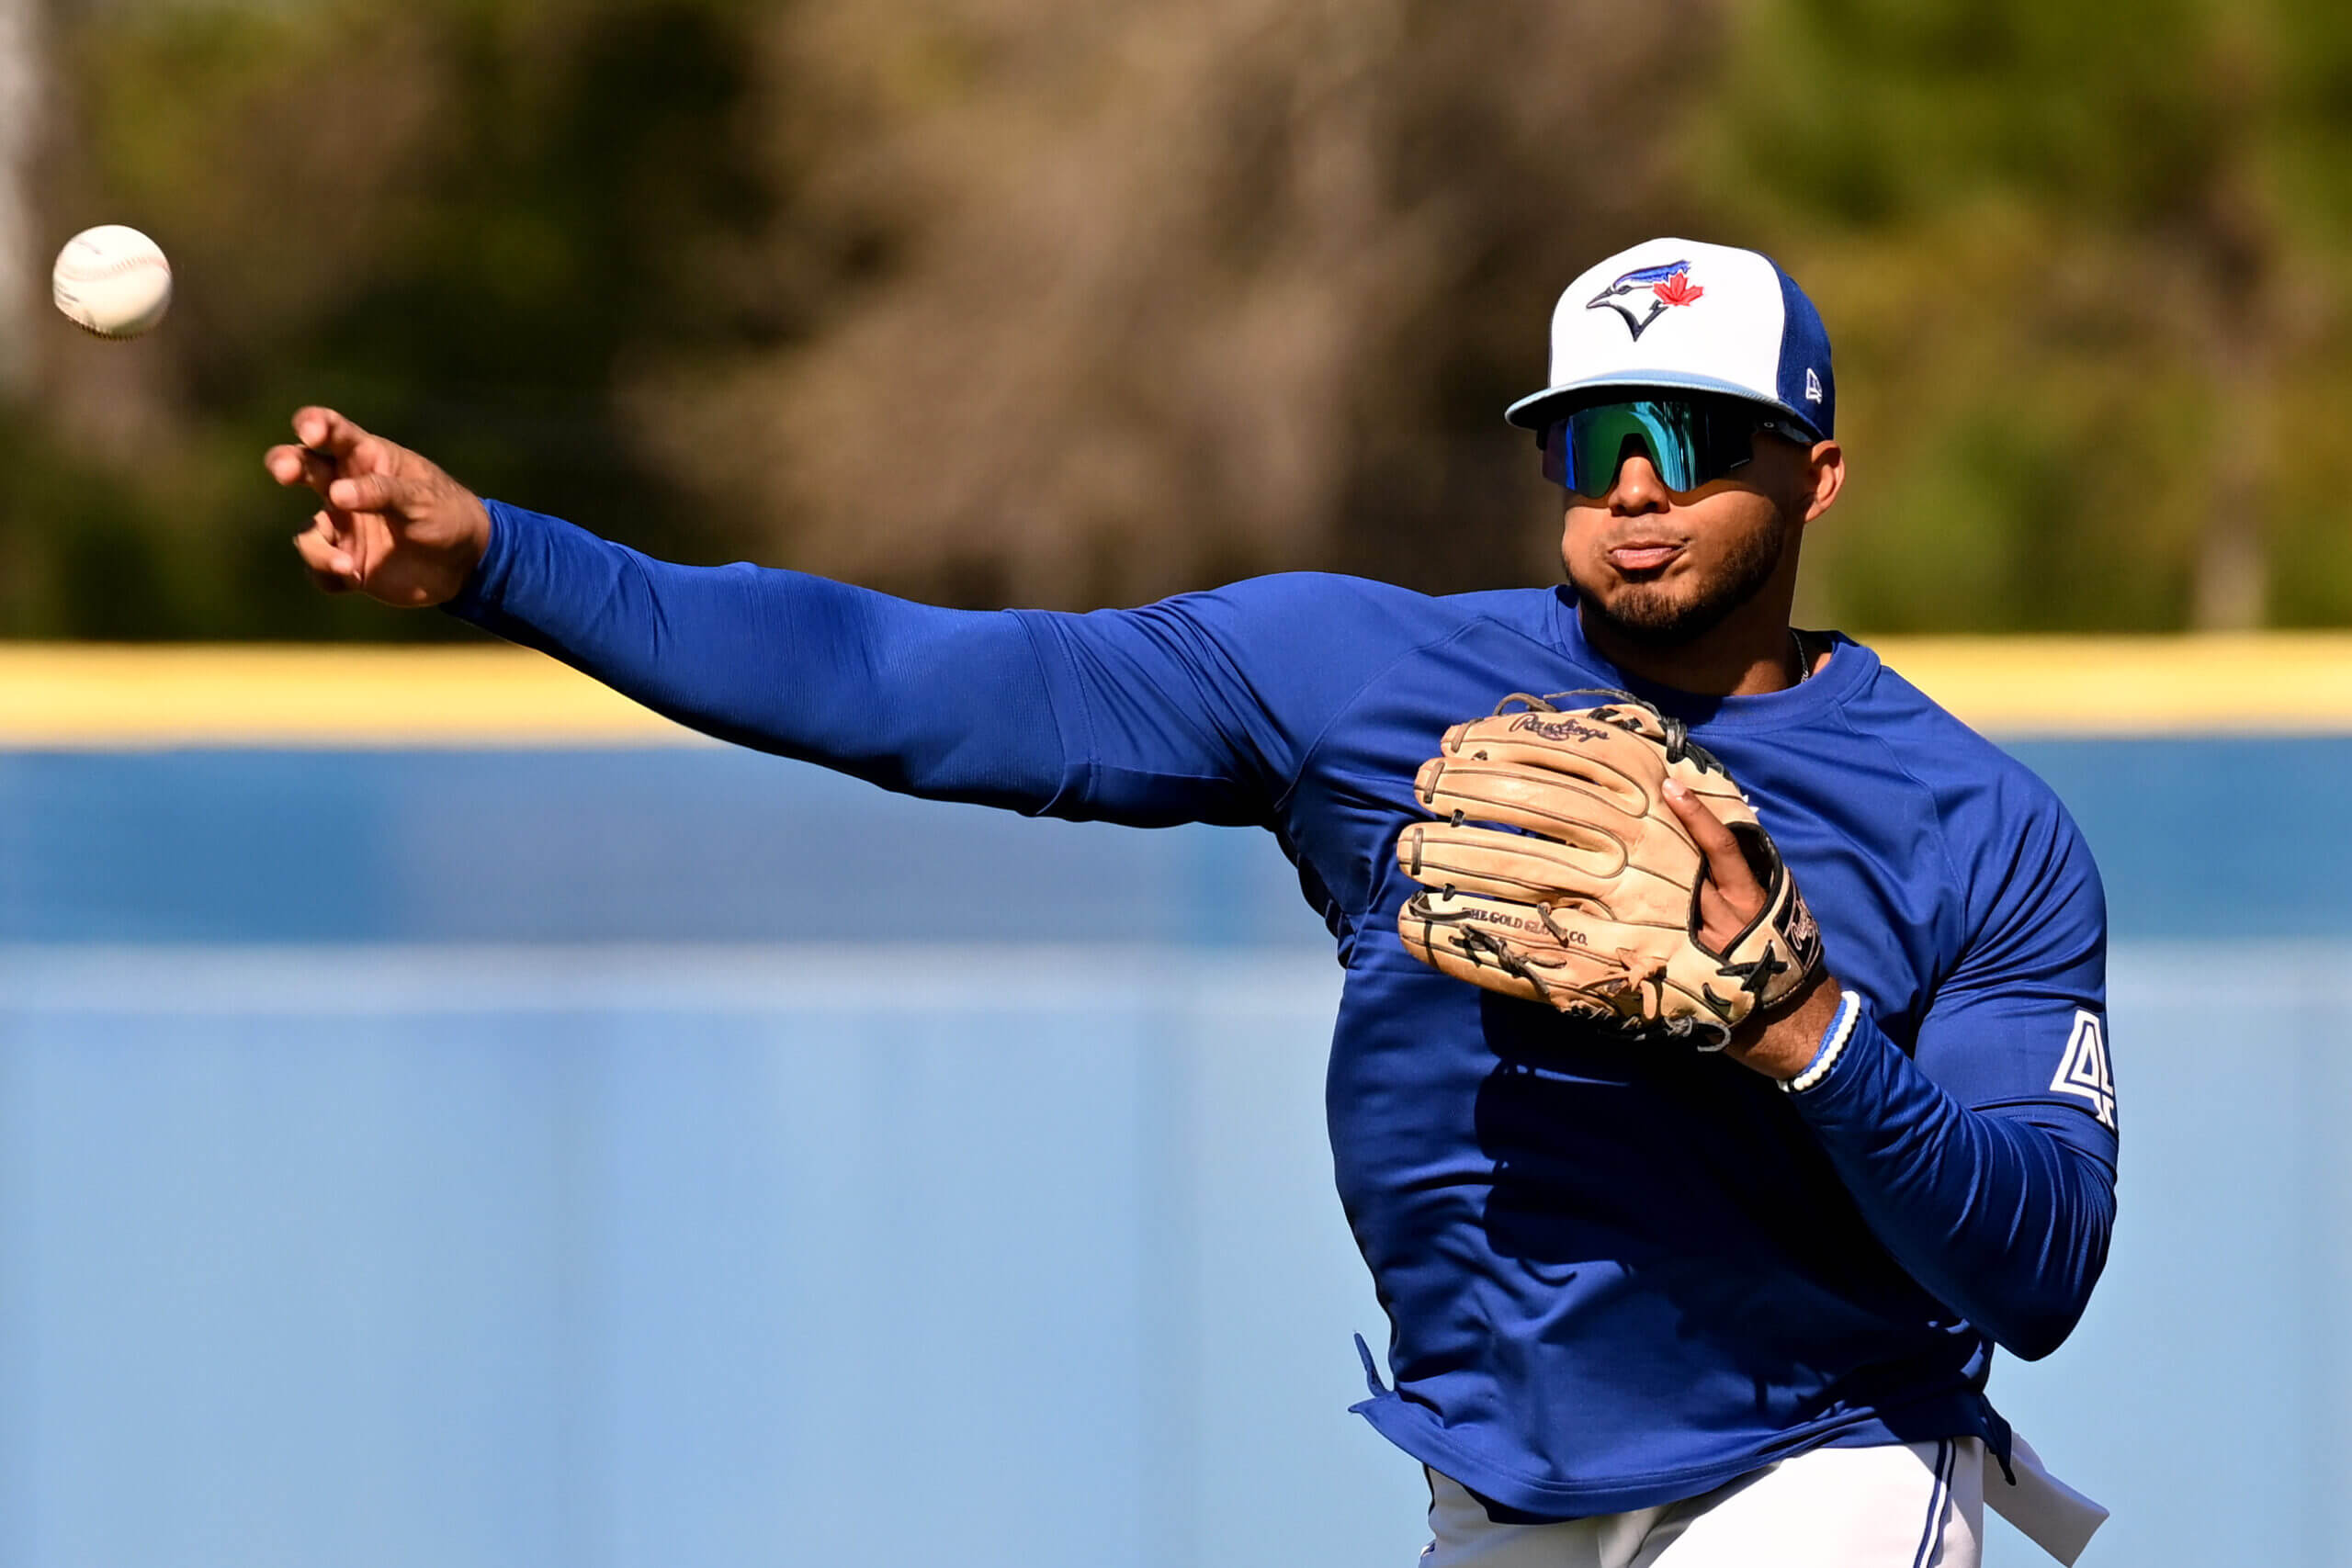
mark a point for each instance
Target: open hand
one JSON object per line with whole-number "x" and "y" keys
{"x": 393, "y": 526}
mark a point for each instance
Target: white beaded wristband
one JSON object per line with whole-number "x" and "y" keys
{"x": 1833, "y": 1045}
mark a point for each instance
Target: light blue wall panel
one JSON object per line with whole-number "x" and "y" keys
{"x": 625, "y": 1256}
{"x": 336, "y": 1241}
{"x": 677, "y": 844}
{"x": 569, "y": 1257}
{"x": 2203, "y": 1397}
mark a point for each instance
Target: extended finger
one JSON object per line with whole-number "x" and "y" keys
{"x": 292, "y": 465}
{"x": 1727, "y": 868}
{"x": 327, "y": 432}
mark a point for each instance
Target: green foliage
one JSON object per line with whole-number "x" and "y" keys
{"x": 1075, "y": 300}
{"x": 2109, "y": 242}
{"x": 459, "y": 221}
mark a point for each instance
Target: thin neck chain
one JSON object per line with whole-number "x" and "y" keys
{"x": 1804, "y": 656}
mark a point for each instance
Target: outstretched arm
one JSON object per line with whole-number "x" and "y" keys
{"x": 1193, "y": 709}
{"x": 942, "y": 703}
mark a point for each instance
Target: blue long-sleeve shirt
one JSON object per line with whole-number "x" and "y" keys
{"x": 1614, "y": 1275}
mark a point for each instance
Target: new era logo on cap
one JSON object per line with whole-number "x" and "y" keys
{"x": 1682, "y": 315}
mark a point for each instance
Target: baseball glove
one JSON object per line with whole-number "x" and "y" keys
{"x": 1586, "y": 895}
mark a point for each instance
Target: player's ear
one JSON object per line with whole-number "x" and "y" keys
{"x": 1825, "y": 475}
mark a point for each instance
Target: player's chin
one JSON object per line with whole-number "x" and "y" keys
{"x": 1658, "y": 612}
{"x": 1651, "y": 593}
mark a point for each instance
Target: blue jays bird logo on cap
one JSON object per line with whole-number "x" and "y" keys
{"x": 1667, "y": 285}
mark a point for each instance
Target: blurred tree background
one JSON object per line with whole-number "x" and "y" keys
{"x": 1083, "y": 301}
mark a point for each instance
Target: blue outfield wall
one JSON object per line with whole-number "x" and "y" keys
{"x": 614, "y": 1159}
{"x": 708, "y": 844}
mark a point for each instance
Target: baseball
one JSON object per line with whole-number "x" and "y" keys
{"x": 112, "y": 281}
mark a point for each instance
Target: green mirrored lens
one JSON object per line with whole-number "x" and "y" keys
{"x": 1597, "y": 441}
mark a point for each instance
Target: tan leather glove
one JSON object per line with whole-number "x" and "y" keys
{"x": 1592, "y": 905}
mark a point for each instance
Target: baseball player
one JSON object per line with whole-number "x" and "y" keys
{"x": 1679, "y": 1272}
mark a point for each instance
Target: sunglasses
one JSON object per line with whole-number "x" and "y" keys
{"x": 1689, "y": 440}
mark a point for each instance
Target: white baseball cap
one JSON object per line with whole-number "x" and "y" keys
{"x": 1682, "y": 315}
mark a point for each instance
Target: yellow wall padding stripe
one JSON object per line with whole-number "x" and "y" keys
{"x": 2249, "y": 683}
{"x": 96, "y": 696}
{"x": 84, "y": 696}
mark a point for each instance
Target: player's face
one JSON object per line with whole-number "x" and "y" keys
{"x": 1664, "y": 567}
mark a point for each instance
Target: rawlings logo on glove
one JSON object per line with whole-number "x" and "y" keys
{"x": 1584, "y": 893}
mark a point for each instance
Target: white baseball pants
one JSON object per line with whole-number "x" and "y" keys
{"x": 1919, "y": 1505}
